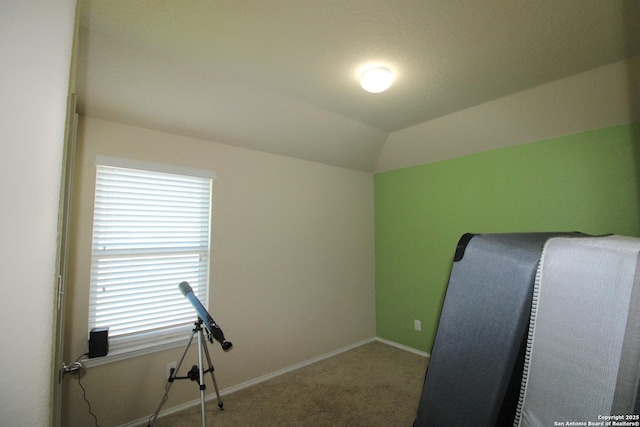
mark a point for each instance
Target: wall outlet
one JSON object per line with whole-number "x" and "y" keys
{"x": 171, "y": 368}
{"x": 417, "y": 325}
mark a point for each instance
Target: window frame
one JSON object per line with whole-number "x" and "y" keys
{"x": 169, "y": 337}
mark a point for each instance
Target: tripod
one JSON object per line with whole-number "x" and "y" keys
{"x": 195, "y": 374}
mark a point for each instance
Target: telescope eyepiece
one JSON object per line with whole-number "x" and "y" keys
{"x": 226, "y": 345}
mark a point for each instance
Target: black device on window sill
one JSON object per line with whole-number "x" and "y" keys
{"x": 98, "y": 342}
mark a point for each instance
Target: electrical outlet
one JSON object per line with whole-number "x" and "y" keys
{"x": 171, "y": 369}
{"x": 417, "y": 325}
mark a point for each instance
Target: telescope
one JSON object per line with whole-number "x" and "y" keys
{"x": 209, "y": 323}
{"x": 197, "y": 371}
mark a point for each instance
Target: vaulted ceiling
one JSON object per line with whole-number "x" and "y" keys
{"x": 281, "y": 76}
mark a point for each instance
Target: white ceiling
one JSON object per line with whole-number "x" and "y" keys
{"x": 281, "y": 76}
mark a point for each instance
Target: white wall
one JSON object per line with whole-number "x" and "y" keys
{"x": 35, "y": 44}
{"x": 292, "y": 269}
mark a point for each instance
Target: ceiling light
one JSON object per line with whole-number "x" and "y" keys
{"x": 376, "y": 79}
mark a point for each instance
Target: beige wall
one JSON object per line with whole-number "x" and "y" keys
{"x": 292, "y": 272}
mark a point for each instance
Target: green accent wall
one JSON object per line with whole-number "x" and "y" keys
{"x": 586, "y": 182}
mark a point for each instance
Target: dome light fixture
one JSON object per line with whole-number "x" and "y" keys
{"x": 376, "y": 79}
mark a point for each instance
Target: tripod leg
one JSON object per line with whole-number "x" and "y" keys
{"x": 201, "y": 377}
{"x": 213, "y": 377}
{"x": 154, "y": 417}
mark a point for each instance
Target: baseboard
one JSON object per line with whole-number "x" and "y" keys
{"x": 403, "y": 347}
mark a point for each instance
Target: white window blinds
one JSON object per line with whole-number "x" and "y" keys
{"x": 150, "y": 232}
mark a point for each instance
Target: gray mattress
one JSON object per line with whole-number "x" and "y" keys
{"x": 476, "y": 364}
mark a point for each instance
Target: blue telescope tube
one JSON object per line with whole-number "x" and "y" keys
{"x": 209, "y": 323}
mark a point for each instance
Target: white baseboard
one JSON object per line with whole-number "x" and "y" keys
{"x": 403, "y": 347}
{"x": 258, "y": 380}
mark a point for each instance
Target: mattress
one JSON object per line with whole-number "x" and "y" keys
{"x": 476, "y": 364}
{"x": 582, "y": 363}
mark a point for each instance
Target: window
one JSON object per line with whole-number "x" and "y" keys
{"x": 151, "y": 231}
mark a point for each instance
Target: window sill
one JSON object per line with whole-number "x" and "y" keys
{"x": 131, "y": 351}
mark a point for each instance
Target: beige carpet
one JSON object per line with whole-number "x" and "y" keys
{"x": 372, "y": 385}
